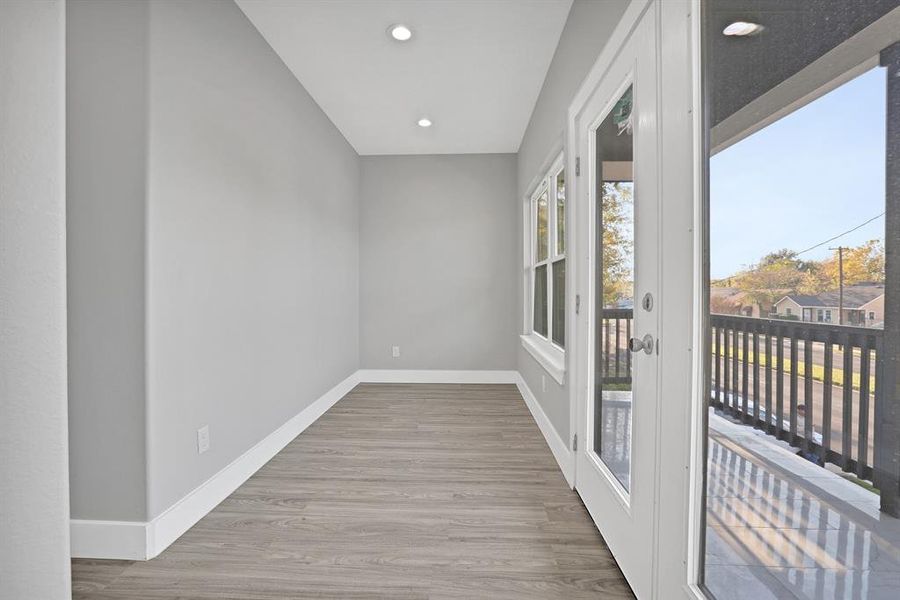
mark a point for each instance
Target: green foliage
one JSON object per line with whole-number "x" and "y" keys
{"x": 776, "y": 275}
{"x": 617, "y": 204}
{"x": 863, "y": 263}
{"x": 780, "y": 273}
{"x": 818, "y": 371}
{"x": 786, "y": 317}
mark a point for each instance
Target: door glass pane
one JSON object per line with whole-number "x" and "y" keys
{"x": 559, "y": 302}
{"x": 561, "y": 212}
{"x": 615, "y": 291}
{"x": 542, "y": 226}
{"x": 801, "y": 497}
{"x": 540, "y": 300}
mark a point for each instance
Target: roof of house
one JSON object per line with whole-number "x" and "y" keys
{"x": 855, "y": 296}
{"x": 804, "y": 300}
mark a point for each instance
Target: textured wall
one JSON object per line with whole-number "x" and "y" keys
{"x": 34, "y": 491}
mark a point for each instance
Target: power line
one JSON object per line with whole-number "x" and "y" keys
{"x": 840, "y": 235}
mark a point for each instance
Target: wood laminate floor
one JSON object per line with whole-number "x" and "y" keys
{"x": 398, "y": 491}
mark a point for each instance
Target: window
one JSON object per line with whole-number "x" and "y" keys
{"x": 559, "y": 264}
{"x": 788, "y": 312}
{"x": 546, "y": 270}
{"x": 828, "y": 316}
{"x": 820, "y": 315}
{"x": 871, "y": 315}
{"x": 549, "y": 259}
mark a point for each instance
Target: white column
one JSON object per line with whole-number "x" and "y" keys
{"x": 887, "y": 392}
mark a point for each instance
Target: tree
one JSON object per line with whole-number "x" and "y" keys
{"x": 785, "y": 257}
{"x": 721, "y": 305}
{"x": 775, "y": 275}
{"x": 782, "y": 272}
{"x": 617, "y": 203}
{"x": 815, "y": 281}
{"x": 862, "y": 264}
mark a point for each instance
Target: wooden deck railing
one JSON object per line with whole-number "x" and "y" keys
{"x": 812, "y": 385}
{"x": 615, "y": 359}
{"x": 783, "y": 377}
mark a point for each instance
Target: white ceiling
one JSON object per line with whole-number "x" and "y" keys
{"x": 474, "y": 67}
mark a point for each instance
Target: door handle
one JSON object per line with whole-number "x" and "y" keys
{"x": 645, "y": 344}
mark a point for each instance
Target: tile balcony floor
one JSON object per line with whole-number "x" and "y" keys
{"x": 779, "y": 526}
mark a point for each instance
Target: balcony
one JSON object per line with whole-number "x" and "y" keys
{"x": 812, "y": 385}
{"x": 789, "y": 379}
{"x": 801, "y": 495}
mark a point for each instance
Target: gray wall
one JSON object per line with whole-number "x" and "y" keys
{"x": 236, "y": 204}
{"x": 253, "y": 299}
{"x": 34, "y": 498}
{"x": 106, "y": 135}
{"x": 587, "y": 29}
{"x": 239, "y": 259}
{"x": 438, "y": 261}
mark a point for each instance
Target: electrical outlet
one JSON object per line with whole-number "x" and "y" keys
{"x": 203, "y": 439}
{"x": 395, "y": 351}
{"x": 544, "y": 383}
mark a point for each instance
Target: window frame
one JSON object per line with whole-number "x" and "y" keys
{"x": 543, "y": 348}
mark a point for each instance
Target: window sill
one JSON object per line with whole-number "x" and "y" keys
{"x": 549, "y": 356}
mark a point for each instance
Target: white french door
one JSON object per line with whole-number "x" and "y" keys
{"x": 618, "y": 206}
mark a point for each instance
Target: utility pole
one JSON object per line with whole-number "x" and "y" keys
{"x": 840, "y": 250}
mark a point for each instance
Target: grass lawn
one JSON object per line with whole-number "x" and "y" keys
{"x": 818, "y": 371}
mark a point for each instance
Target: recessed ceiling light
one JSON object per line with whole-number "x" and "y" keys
{"x": 424, "y": 122}
{"x": 742, "y": 28}
{"x": 400, "y": 32}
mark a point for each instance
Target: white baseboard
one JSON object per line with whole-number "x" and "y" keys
{"x": 126, "y": 540}
{"x": 560, "y": 449}
{"x": 135, "y": 540}
{"x": 435, "y": 376}
{"x": 181, "y": 516}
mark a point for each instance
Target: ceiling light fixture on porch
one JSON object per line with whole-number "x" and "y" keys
{"x": 400, "y": 32}
{"x": 742, "y": 28}
{"x": 424, "y": 122}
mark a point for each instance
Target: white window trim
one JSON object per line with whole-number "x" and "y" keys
{"x": 545, "y": 351}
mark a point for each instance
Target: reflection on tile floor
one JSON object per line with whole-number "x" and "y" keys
{"x": 779, "y": 526}
{"x": 614, "y": 434}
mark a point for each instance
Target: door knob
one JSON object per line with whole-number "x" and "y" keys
{"x": 645, "y": 344}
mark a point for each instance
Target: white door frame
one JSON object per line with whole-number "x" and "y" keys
{"x": 681, "y": 409}
{"x": 624, "y": 513}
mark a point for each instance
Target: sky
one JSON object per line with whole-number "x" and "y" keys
{"x": 810, "y": 176}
